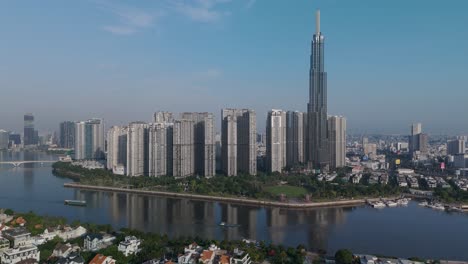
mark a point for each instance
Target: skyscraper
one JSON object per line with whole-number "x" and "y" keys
{"x": 163, "y": 117}
{"x": 89, "y": 139}
{"x": 337, "y": 140}
{"x": 67, "y": 134}
{"x": 294, "y": 138}
{"x": 4, "y": 139}
{"x": 160, "y": 149}
{"x": 456, "y": 146}
{"x": 30, "y": 135}
{"x": 238, "y": 141}
{"x": 317, "y": 107}
{"x": 137, "y": 149}
{"x": 204, "y": 142}
{"x": 117, "y": 147}
{"x": 183, "y": 148}
{"x": 276, "y": 140}
{"x": 417, "y": 140}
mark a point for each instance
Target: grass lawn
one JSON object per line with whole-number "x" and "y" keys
{"x": 289, "y": 191}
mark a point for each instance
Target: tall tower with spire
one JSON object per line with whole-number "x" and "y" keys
{"x": 317, "y": 138}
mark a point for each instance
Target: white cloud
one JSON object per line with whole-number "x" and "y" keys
{"x": 201, "y": 10}
{"x": 131, "y": 20}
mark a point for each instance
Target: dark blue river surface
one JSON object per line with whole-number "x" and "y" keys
{"x": 401, "y": 231}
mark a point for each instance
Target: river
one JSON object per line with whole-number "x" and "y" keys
{"x": 401, "y": 231}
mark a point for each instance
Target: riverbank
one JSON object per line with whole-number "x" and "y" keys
{"x": 244, "y": 201}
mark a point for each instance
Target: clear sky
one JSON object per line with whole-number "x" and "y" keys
{"x": 389, "y": 63}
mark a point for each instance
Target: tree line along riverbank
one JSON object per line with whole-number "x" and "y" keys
{"x": 292, "y": 188}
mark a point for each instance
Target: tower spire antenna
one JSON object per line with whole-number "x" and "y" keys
{"x": 317, "y": 21}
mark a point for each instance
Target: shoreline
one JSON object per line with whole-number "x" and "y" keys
{"x": 245, "y": 201}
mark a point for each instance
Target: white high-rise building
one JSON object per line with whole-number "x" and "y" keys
{"x": 183, "y": 148}
{"x": 337, "y": 141}
{"x": 295, "y": 138}
{"x": 137, "y": 149}
{"x": 160, "y": 149}
{"x": 117, "y": 147}
{"x": 238, "y": 141}
{"x": 89, "y": 139}
{"x": 163, "y": 117}
{"x": 276, "y": 140}
{"x": 204, "y": 142}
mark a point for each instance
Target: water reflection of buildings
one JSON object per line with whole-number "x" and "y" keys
{"x": 28, "y": 170}
{"x": 182, "y": 217}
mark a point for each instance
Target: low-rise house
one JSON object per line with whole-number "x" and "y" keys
{"x": 101, "y": 259}
{"x": 356, "y": 178}
{"x": 15, "y": 255}
{"x": 18, "y": 237}
{"x": 240, "y": 257}
{"x": 63, "y": 250}
{"x": 191, "y": 254}
{"x": 129, "y": 246}
{"x": 94, "y": 242}
{"x": 65, "y": 233}
{"x": 207, "y": 257}
{"x": 72, "y": 258}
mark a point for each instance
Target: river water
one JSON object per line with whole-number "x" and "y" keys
{"x": 402, "y": 231}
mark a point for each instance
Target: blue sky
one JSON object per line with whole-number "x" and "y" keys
{"x": 389, "y": 63}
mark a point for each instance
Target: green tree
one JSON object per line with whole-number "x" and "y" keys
{"x": 344, "y": 256}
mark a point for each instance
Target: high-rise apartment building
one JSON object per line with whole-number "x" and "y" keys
{"x": 89, "y": 139}
{"x": 456, "y": 146}
{"x": 160, "y": 149}
{"x": 276, "y": 140}
{"x": 417, "y": 140}
{"x": 337, "y": 141}
{"x": 117, "y": 147}
{"x": 137, "y": 149}
{"x": 67, "y": 134}
{"x": 204, "y": 142}
{"x": 30, "y": 135}
{"x": 163, "y": 117}
{"x": 238, "y": 141}
{"x": 183, "y": 164}
{"x": 317, "y": 107}
{"x": 4, "y": 139}
{"x": 295, "y": 138}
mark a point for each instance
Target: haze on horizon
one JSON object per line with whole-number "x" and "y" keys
{"x": 389, "y": 63}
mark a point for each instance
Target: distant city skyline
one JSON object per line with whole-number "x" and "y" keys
{"x": 123, "y": 61}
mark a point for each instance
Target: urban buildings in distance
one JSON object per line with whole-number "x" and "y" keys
{"x": 30, "y": 136}
{"x": 67, "y": 135}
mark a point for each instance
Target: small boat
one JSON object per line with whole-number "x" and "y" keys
{"x": 437, "y": 206}
{"x": 224, "y": 224}
{"x": 403, "y": 201}
{"x": 391, "y": 203}
{"x": 424, "y": 204}
{"x": 75, "y": 202}
{"x": 378, "y": 204}
{"x": 455, "y": 209}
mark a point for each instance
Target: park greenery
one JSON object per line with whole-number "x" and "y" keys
{"x": 262, "y": 186}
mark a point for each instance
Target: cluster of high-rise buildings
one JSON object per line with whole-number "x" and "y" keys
{"x": 180, "y": 147}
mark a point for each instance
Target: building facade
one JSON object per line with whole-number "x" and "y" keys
{"x": 337, "y": 141}
{"x": 456, "y": 146}
{"x": 204, "y": 142}
{"x": 4, "y": 139}
{"x": 30, "y": 136}
{"x": 89, "y": 139}
{"x": 160, "y": 149}
{"x": 238, "y": 141}
{"x": 137, "y": 149}
{"x": 183, "y": 164}
{"x": 276, "y": 140}
{"x": 67, "y": 134}
{"x": 117, "y": 147}
{"x": 295, "y": 142}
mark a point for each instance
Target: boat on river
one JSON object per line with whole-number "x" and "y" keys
{"x": 224, "y": 224}
{"x": 75, "y": 202}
